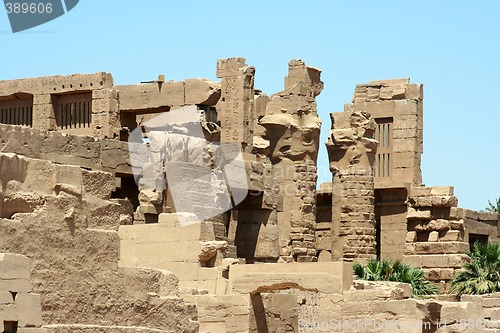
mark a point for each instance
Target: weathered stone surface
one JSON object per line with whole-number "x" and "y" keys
{"x": 98, "y": 183}
{"x": 420, "y": 214}
{"x": 351, "y": 149}
{"x": 452, "y": 312}
{"x": 29, "y": 309}
{"x": 332, "y": 277}
{"x": 201, "y": 92}
{"x": 14, "y": 267}
{"x": 434, "y": 201}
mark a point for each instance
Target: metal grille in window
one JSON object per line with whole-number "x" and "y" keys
{"x": 383, "y": 134}
{"x": 18, "y": 112}
{"x": 74, "y": 111}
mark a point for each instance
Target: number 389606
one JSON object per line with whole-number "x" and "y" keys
{"x": 31, "y": 8}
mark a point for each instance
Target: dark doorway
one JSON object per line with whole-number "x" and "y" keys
{"x": 10, "y": 327}
{"x": 473, "y": 238}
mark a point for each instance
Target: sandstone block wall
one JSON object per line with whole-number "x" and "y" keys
{"x": 63, "y": 218}
{"x": 380, "y": 307}
{"x": 81, "y": 104}
{"x": 273, "y": 297}
{"x": 437, "y": 238}
{"x": 28, "y": 186}
{"x": 490, "y": 306}
{"x": 396, "y": 105}
{"x": 78, "y": 150}
{"x": 191, "y": 252}
{"x": 20, "y": 308}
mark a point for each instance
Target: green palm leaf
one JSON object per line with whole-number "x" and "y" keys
{"x": 387, "y": 270}
{"x": 494, "y": 208}
{"x": 482, "y": 274}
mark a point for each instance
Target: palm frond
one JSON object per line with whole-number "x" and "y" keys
{"x": 387, "y": 270}
{"x": 494, "y": 208}
{"x": 482, "y": 274}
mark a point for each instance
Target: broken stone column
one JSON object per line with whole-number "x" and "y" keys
{"x": 351, "y": 149}
{"x": 292, "y": 130}
{"x": 236, "y": 109}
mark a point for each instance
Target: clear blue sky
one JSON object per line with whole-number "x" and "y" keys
{"x": 452, "y": 47}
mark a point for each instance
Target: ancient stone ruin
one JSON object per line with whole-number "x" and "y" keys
{"x": 194, "y": 206}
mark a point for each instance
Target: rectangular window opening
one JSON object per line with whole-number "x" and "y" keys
{"x": 17, "y": 110}
{"x": 383, "y": 134}
{"x": 73, "y": 111}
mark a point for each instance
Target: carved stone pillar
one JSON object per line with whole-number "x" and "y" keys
{"x": 351, "y": 149}
{"x": 292, "y": 129}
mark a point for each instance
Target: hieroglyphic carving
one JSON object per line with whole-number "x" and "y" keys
{"x": 236, "y": 105}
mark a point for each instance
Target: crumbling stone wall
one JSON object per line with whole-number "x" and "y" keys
{"x": 55, "y": 216}
{"x": 437, "y": 232}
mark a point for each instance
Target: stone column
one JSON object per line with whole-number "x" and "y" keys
{"x": 292, "y": 130}
{"x": 357, "y": 230}
{"x": 351, "y": 150}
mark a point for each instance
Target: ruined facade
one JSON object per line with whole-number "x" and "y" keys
{"x": 193, "y": 206}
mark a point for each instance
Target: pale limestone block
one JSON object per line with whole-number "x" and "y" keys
{"x": 6, "y": 298}
{"x": 456, "y": 311}
{"x": 452, "y": 235}
{"x": 14, "y": 266}
{"x": 405, "y": 307}
{"x": 411, "y": 236}
{"x": 8, "y": 312}
{"x": 433, "y": 236}
{"x": 420, "y": 214}
{"x": 331, "y": 277}
{"x": 16, "y": 285}
{"x": 442, "y": 191}
{"x": 202, "y": 91}
{"x": 491, "y": 302}
{"x": 29, "y": 309}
